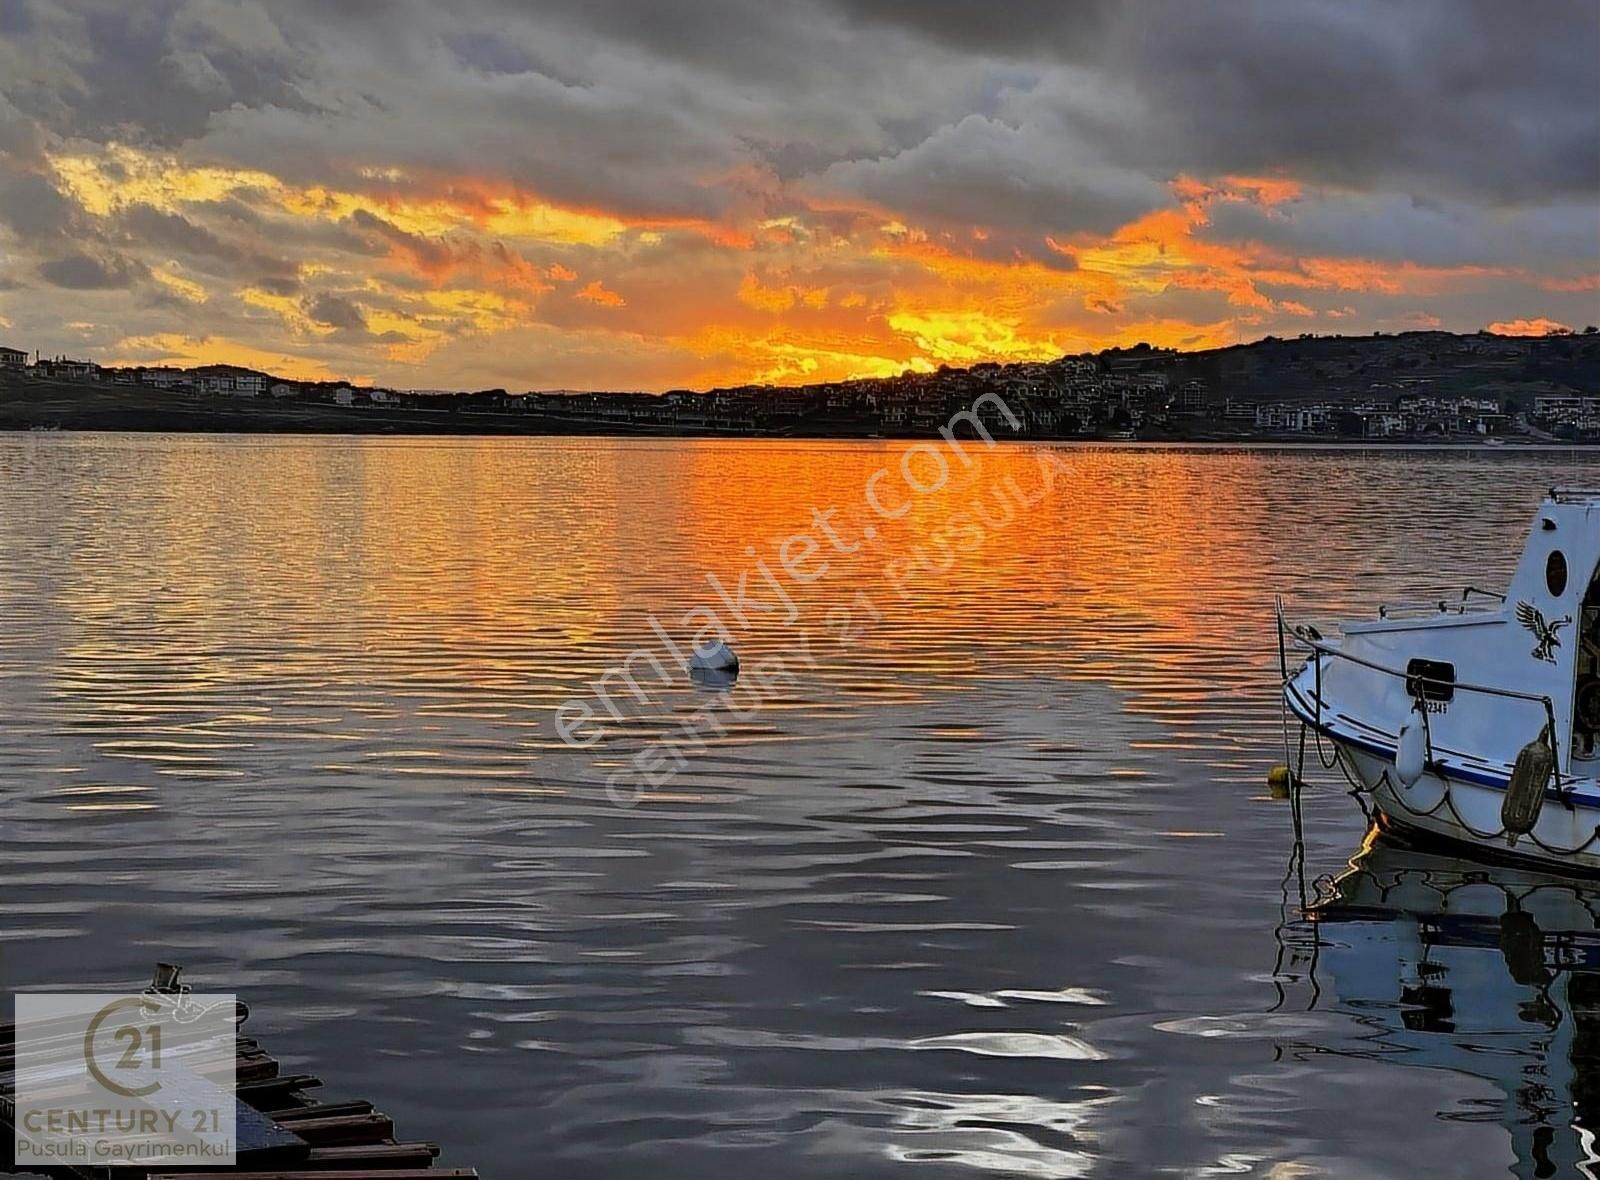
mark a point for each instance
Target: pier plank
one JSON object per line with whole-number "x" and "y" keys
{"x": 319, "y": 1110}
{"x": 419, "y": 1155}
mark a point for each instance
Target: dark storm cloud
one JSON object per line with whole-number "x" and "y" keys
{"x": 155, "y": 71}
{"x": 428, "y": 252}
{"x": 336, "y": 312}
{"x": 234, "y": 210}
{"x": 276, "y": 284}
{"x": 490, "y": 53}
{"x": 772, "y": 44}
{"x": 86, "y": 272}
{"x": 690, "y": 101}
{"x": 984, "y": 172}
{"x": 15, "y": 18}
{"x": 1469, "y": 98}
{"x": 1017, "y": 28}
{"x": 172, "y": 235}
{"x": 175, "y": 233}
{"x": 1397, "y": 228}
{"x": 21, "y": 144}
{"x": 1465, "y": 99}
{"x": 34, "y": 209}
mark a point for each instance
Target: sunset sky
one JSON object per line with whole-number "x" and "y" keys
{"x": 654, "y": 193}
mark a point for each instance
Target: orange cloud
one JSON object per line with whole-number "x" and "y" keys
{"x": 754, "y": 293}
{"x": 1265, "y": 191}
{"x": 1534, "y": 327}
{"x": 1581, "y": 283}
{"x": 1166, "y": 250}
{"x": 597, "y": 293}
{"x": 773, "y": 288}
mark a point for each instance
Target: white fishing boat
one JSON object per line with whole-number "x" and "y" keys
{"x": 1475, "y": 719}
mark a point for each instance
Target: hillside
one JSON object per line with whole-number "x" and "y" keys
{"x": 1411, "y": 385}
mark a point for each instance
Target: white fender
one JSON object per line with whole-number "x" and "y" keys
{"x": 1411, "y": 758}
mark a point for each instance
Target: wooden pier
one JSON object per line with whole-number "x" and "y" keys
{"x": 283, "y": 1132}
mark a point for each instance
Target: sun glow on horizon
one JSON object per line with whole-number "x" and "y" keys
{"x": 398, "y": 272}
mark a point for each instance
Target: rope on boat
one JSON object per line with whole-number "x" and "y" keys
{"x": 1358, "y": 789}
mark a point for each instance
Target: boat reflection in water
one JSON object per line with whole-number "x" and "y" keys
{"x": 1489, "y": 971}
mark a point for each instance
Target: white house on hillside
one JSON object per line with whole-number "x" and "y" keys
{"x": 228, "y": 380}
{"x": 163, "y": 377}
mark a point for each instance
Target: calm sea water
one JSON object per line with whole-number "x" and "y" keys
{"x": 983, "y": 879}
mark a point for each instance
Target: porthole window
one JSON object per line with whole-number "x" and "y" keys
{"x": 1555, "y": 573}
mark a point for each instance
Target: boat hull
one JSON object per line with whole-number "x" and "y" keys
{"x": 1444, "y": 807}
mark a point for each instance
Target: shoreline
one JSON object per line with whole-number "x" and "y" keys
{"x": 469, "y": 430}
{"x": 79, "y": 408}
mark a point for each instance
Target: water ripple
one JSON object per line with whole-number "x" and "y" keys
{"x": 284, "y": 709}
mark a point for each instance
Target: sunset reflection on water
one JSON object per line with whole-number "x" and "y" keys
{"x": 979, "y": 888}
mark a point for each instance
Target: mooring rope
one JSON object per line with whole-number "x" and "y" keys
{"x": 1447, "y": 799}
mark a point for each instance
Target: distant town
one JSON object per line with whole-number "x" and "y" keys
{"x": 1411, "y": 386}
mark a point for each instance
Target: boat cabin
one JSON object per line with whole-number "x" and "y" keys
{"x": 1492, "y": 671}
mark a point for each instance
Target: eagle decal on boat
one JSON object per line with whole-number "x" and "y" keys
{"x": 1533, "y": 619}
{"x": 1386, "y": 694}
